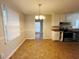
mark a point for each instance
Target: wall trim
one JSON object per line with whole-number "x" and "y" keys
{"x": 30, "y": 39}
{"x": 35, "y": 39}
{"x": 47, "y": 39}
{"x": 16, "y": 49}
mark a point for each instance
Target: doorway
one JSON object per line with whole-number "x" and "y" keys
{"x": 38, "y": 29}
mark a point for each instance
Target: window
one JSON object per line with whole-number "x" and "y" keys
{"x": 77, "y": 23}
{"x": 11, "y": 23}
{"x": 5, "y": 19}
{"x": 37, "y": 27}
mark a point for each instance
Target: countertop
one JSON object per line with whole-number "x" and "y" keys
{"x": 68, "y": 30}
{"x": 57, "y": 29}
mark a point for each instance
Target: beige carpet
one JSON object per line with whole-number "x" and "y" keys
{"x": 47, "y": 49}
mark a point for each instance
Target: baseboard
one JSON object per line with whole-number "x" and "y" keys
{"x": 29, "y": 39}
{"x": 47, "y": 39}
{"x": 34, "y": 39}
{"x": 16, "y": 49}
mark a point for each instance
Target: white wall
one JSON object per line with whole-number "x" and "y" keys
{"x": 47, "y": 27}
{"x": 30, "y": 27}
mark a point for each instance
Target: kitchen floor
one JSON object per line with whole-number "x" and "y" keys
{"x": 47, "y": 49}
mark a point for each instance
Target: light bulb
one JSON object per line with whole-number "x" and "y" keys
{"x": 41, "y": 17}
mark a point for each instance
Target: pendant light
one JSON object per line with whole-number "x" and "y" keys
{"x": 39, "y": 16}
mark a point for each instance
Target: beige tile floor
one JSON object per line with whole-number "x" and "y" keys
{"x": 47, "y": 49}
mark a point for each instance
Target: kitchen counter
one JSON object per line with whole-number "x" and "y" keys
{"x": 58, "y": 30}
{"x": 74, "y": 30}
{"x": 67, "y": 33}
{"x": 68, "y": 30}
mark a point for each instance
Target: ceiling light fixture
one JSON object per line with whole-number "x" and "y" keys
{"x": 39, "y": 16}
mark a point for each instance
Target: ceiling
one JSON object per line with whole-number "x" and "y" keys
{"x": 48, "y": 6}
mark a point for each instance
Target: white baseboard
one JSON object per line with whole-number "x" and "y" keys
{"x": 16, "y": 49}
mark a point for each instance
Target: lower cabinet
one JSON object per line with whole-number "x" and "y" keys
{"x": 55, "y": 35}
{"x": 65, "y": 36}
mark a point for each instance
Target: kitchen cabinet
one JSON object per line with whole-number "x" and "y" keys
{"x": 70, "y": 35}
{"x": 55, "y": 35}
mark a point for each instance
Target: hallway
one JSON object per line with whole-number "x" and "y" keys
{"x": 47, "y": 49}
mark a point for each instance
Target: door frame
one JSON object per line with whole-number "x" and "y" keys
{"x": 41, "y": 21}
